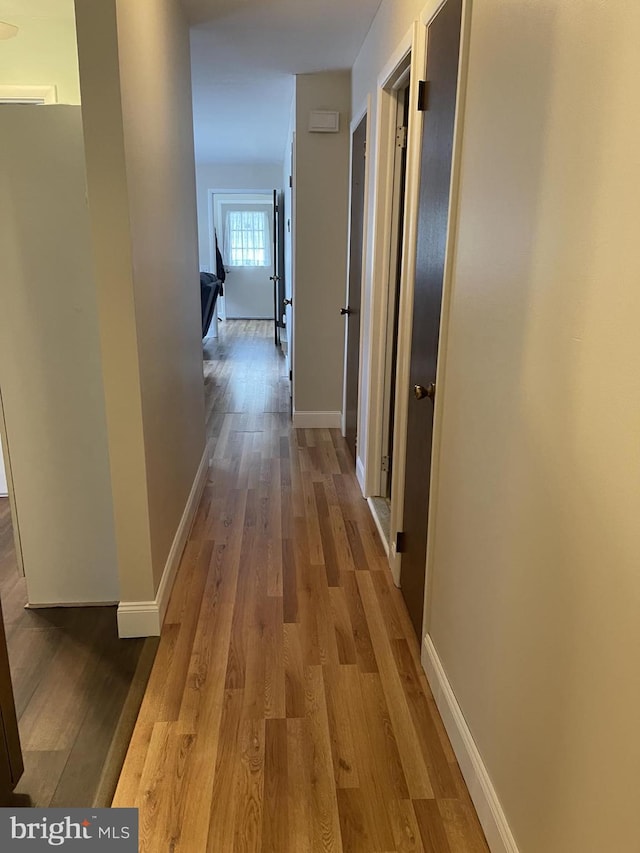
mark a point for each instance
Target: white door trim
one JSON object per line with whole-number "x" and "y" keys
{"x": 414, "y": 43}
{"x": 362, "y": 112}
{"x": 251, "y": 195}
{"x": 385, "y": 151}
{"x": 29, "y": 94}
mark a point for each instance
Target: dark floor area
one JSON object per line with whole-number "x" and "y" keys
{"x": 77, "y": 690}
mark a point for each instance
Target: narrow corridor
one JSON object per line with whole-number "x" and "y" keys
{"x": 287, "y": 709}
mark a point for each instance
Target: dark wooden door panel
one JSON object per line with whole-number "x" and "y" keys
{"x": 437, "y": 151}
{"x": 275, "y": 277}
{"x": 352, "y": 309}
{"x": 11, "y": 766}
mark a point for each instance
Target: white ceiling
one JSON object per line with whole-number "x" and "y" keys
{"x": 244, "y": 56}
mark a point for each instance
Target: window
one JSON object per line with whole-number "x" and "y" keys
{"x": 247, "y": 239}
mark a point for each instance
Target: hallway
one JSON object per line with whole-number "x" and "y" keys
{"x": 287, "y": 709}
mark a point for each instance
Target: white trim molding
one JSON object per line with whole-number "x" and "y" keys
{"x": 360, "y": 474}
{"x": 485, "y": 798}
{"x": 317, "y": 420}
{"x": 29, "y": 94}
{"x": 376, "y": 521}
{"x": 145, "y": 618}
{"x": 362, "y": 114}
{"x": 382, "y": 267}
{"x": 405, "y": 306}
{"x": 47, "y": 605}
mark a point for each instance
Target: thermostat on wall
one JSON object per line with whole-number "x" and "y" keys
{"x": 324, "y": 121}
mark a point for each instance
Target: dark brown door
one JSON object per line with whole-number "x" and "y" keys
{"x": 11, "y": 766}
{"x": 278, "y": 264}
{"x": 352, "y": 310}
{"x": 437, "y": 151}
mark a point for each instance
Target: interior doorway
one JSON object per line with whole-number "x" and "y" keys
{"x": 351, "y": 311}
{"x": 395, "y": 277}
{"x": 395, "y": 120}
{"x": 243, "y": 226}
{"x": 441, "y": 87}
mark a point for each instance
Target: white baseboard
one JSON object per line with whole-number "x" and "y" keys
{"x": 376, "y": 521}
{"x": 145, "y": 618}
{"x": 490, "y": 813}
{"x": 360, "y": 473}
{"x": 317, "y": 420}
{"x": 395, "y": 561}
{"x": 43, "y": 605}
{"x": 139, "y": 619}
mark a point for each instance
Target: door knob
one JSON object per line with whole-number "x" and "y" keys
{"x": 346, "y": 311}
{"x": 421, "y": 392}
{"x": 288, "y": 301}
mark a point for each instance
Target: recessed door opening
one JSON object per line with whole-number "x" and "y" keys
{"x": 243, "y": 238}
{"x": 351, "y": 310}
{"x": 443, "y": 46}
{"x": 395, "y": 272}
{"x": 400, "y": 114}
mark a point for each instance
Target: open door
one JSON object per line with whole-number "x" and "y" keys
{"x": 443, "y": 48}
{"x": 278, "y": 265}
{"x": 288, "y": 269}
{"x": 395, "y": 280}
{"x": 352, "y": 310}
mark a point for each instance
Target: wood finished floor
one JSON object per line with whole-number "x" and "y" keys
{"x": 287, "y": 710}
{"x": 71, "y": 680}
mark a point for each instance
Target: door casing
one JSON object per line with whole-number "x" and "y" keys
{"x": 353, "y": 323}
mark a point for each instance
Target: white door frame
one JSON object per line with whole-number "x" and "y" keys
{"x": 211, "y": 193}
{"x": 358, "y": 116}
{"x": 390, "y": 308}
{"x": 414, "y": 45}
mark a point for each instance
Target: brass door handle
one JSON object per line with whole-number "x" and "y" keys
{"x": 346, "y": 311}
{"x": 421, "y": 392}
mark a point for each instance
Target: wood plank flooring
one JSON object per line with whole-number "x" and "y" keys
{"x": 72, "y": 680}
{"x": 287, "y": 710}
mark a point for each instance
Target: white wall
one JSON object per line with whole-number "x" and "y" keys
{"x": 44, "y": 50}
{"x": 135, "y": 76}
{"x": 534, "y": 586}
{"x": 241, "y": 176}
{"x": 535, "y": 608}
{"x": 155, "y": 73}
{"x": 50, "y": 364}
{"x": 321, "y": 224}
